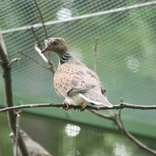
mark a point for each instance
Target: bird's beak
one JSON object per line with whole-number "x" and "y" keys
{"x": 44, "y": 50}
{"x": 46, "y": 46}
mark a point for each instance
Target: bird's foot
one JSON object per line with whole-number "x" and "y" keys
{"x": 66, "y": 105}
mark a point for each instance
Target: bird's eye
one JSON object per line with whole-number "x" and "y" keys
{"x": 54, "y": 42}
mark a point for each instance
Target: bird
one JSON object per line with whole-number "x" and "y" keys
{"x": 34, "y": 149}
{"x": 73, "y": 79}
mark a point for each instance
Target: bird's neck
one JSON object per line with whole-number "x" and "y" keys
{"x": 65, "y": 57}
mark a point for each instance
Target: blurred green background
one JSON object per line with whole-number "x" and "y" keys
{"x": 65, "y": 138}
{"x": 126, "y": 57}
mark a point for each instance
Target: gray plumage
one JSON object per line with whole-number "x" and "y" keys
{"x": 34, "y": 148}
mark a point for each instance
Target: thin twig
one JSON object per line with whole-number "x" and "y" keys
{"x": 103, "y": 91}
{"x": 109, "y": 117}
{"x": 116, "y": 117}
{"x": 95, "y": 53}
{"x": 119, "y": 106}
{"x": 119, "y": 118}
{"x": 36, "y": 37}
{"x": 17, "y": 133}
{"x": 41, "y": 18}
{"x": 122, "y": 129}
{"x": 13, "y": 60}
{"x": 9, "y": 93}
{"x": 47, "y": 60}
{"x": 131, "y": 137}
{"x": 39, "y": 52}
{"x": 33, "y": 59}
{"x": 45, "y": 32}
{"x": 134, "y": 106}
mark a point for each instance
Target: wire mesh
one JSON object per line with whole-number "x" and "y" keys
{"x": 126, "y": 57}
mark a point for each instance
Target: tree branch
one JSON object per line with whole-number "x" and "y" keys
{"x": 36, "y": 37}
{"x": 116, "y": 117}
{"x": 17, "y": 133}
{"x": 39, "y": 52}
{"x": 8, "y": 93}
{"x": 41, "y": 18}
{"x": 52, "y": 68}
{"x": 13, "y": 60}
{"x": 119, "y": 106}
{"x": 109, "y": 117}
{"x": 33, "y": 59}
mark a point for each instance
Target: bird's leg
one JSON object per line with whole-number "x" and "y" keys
{"x": 66, "y": 104}
{"x": 82, "y": 107}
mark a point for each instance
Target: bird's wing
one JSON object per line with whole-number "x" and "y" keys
{"x": 95, "y": 97}
{"x": 71, "y": 78}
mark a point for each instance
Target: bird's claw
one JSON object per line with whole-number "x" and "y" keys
{"x": 66, "y": 105}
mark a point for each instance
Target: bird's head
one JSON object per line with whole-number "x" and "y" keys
{"x": 57, "y": 45}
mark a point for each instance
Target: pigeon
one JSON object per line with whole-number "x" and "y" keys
{"x": 73, "y": 79}
{"x": 34, "y": 149}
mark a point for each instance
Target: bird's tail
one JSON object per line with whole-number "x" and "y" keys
{"x": 96, "y": 97}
